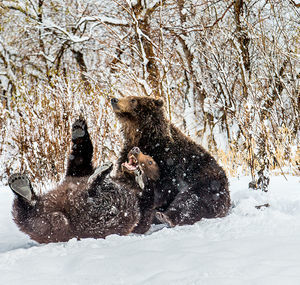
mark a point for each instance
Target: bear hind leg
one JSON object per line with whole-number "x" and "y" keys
{"x": 199, "y": 202}
{"x": 187, "y": 209}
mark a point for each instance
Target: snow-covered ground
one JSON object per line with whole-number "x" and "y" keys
{"x": 249, "y": 246}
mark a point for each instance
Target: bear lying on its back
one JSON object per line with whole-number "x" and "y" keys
{"x": 88, "y": 206}
{"x": 192, "y": 185}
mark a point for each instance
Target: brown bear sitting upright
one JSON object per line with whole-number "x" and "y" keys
{"x": 192, "y": 185}
{"x": 86, "y": 205}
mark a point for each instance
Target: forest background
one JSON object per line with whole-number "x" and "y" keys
{"x": 228, "y": 72}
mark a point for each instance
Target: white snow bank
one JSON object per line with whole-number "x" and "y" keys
{"x": 249, "y": 246}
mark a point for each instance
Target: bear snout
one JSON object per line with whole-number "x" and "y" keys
{"x": 114, "y": 101}
{"x": 135, "y": 150}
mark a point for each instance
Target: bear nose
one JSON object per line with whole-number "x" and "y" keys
{"x": 135, "y": 150}
{"x": 114, "y": 101}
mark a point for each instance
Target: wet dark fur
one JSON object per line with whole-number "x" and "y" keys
{"x": 192, "y": 185}
{"x": 80, "y": 209}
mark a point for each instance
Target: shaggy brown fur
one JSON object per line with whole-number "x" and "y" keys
{"x": 81, "y": 208}
{"x": 192, "y": 185}
{"x": 69, "y": 211}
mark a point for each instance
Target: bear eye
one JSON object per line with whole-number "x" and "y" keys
{"x": 132, "y": 100}
{"x": 149, "y": 162}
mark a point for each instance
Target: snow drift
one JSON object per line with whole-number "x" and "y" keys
{"x": 249, "y": 246}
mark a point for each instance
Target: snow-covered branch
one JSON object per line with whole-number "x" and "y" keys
{"x": 102, "y": 19}
{"x": 20, "y": 7}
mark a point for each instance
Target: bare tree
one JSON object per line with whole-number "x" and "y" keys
{"x": 228, "y": 70}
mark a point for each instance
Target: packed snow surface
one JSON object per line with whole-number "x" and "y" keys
{"x": 249, "y": 246}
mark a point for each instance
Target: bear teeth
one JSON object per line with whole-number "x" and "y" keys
{"x": 132, "y": 163}
{"x": 130, "y": 166}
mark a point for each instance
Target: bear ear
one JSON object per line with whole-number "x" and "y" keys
{"x": 159, "y": 102}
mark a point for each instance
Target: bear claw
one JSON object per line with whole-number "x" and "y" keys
{"x": 163, "y": 218}
{"x": 20, "y": 184}
{"x": 107, "y": 166}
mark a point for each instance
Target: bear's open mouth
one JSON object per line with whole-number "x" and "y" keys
{"x": 132, "y": 163}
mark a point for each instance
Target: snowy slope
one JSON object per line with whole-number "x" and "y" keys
{"x": 249, "y": 246}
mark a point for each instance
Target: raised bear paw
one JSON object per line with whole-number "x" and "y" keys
{"x": 79, "y": 130}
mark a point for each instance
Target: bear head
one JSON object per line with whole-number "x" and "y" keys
{"x": 137, "y": 109}
{"x": 140, "y": 164}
